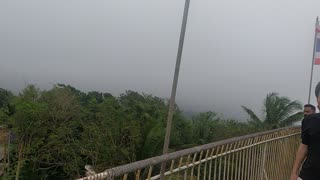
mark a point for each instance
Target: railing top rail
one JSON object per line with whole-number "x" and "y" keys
{"x": 123, "y": 169}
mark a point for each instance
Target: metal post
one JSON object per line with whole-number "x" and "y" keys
{"x": 312, "y": 65}
{"x": 263, "y": 170}
{"x": 174, "y": 85}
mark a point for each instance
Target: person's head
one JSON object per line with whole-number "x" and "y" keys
{"x": 309, "y": 109}
{"x": 317, "y": 91}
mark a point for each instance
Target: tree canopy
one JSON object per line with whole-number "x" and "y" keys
{"x": 59, "y": 131}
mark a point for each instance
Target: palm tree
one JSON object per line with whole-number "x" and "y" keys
{"x": 278, "y": 111}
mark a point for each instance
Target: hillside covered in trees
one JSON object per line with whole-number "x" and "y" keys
{"x": 56, "y": 132}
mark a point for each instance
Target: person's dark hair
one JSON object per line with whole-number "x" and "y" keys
{"x": 310, "y": 106}
{"x": 317, "y": 91}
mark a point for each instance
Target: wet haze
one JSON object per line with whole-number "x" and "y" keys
{"x": 235, "y": 51}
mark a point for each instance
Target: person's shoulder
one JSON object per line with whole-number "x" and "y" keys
{"x": 312, "y": 117}
{"x": 315, "y": 115}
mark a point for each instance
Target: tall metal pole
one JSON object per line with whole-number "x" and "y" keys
{"x": 313, "y": 56}
{"x": 174, "y": 86}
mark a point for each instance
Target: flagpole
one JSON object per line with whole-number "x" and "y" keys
{"x": 313, "y": 56}
{"x": 174, "y": 86}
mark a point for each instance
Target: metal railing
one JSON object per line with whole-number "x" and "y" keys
{"x": 266, "y": 155}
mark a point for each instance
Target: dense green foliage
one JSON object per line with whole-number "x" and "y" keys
{"x": 59, "y": 131}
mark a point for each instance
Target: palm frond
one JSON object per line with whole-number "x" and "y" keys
{"x": 291, "y": 119}
{"x": 278, "y": 111}
{"x": 270, "y": 107}
{"x": 253, "y": 117}
{"x": 290, "y": 108}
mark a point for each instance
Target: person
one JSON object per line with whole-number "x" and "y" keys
{"x": 309, "y": 109}
{"x": 309, "y": 149}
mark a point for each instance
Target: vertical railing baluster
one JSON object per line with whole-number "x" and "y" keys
{"x": 171, "y": 169}
{"x": 243, "y": 160}
{"x": 254, "y": 159}
{"x": 263, "y": 159}
{"x": 205, "y": 164}
{"x": 234, "y": 162}
{"x": 239, "y": 161}
{"x": 280, "y": 155}
{"x": 229, "y": 160}
{"x": 179, "y": 167}
{"x": 125, "y": 177}
{"x": 150, "y": 172}
{"x": 285, "y": 155}
{"x": 187, "y": 164}
{"x": 272, "y": 158}
{"x": 192, "y": 169}
{"x": 266, "y": 159}
{"x": 281, "y": 143}
{"x": 210, "y": 163}
{"x": 215, "y": 163}
{"x": 290, "y": 145}
{"x": 199, "y": 166}
{"x": 250, "y": 157}
{"x": 247, "y": 167}
{"x": 225, "y": 162}
{"x": 220, "y": 162}
{"x": 138, "y": 174}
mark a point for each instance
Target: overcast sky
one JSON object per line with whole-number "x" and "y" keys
{"x": 235, "y": 51}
